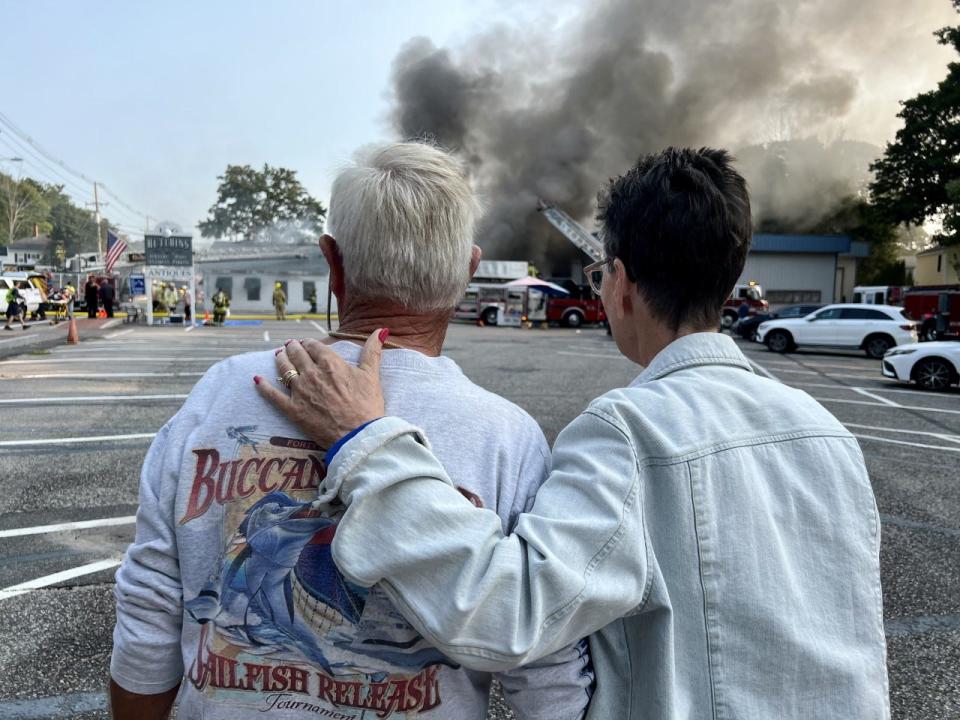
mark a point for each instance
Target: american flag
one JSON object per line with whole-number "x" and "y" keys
{"x": 115, "y": 248}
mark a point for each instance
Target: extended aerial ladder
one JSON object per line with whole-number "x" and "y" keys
{"x": 572, "y": 230}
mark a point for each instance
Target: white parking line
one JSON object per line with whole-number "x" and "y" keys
{"x": 73, "y": 440}
{"x": 89, "y": 398}
{"x": 188, "y": 328}
{"x": 904, "y": 442}
{"x": 266, "y": 336}
{"x": 61, "y": 527}
{"x": 111, "y": 336}
{"x": 49, "y": 376}
{"x": 905, "y": 391}
{"x": 111, "y": 358}
{"x": 595, "y": 355}
{"x": 763, "y": 371}
{"x": 110, "y": 324}
{"x": 794, "y": 363}
{"x": 867, "y": 393}
{"x": 318, "y": 327}
{"x": 884, "y": 405}
{"x": 46, "y": 580}
{"x": 939, "y": 436}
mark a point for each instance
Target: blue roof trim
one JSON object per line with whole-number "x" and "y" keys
{"x": 801, "y": 243}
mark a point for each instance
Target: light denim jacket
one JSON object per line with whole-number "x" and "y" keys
{"x": 715, "y": 530}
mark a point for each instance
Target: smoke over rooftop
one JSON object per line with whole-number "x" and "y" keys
{"x": 804, "y": 92}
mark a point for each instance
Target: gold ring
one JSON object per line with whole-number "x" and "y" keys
{"x": 288, "y": 377}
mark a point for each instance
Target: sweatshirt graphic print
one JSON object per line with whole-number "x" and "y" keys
{"x": 230, "y": 582}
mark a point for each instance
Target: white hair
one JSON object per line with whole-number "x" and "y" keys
{"x": 403, "y": 216}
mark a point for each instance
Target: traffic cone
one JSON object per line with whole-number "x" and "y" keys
{"x": 206, "y": 317}
{"x": 73, "y": 337}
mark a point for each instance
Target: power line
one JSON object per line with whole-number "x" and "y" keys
{"x": 37, "y": 166}
{"x": 33, "y": 144}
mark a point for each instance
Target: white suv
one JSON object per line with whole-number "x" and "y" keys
{"x": 872, "y": 328}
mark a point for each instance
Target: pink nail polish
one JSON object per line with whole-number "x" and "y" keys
{"x": 384, "y": 334}
{"x": 278, "y": 351}
{"x": 257, "y": 379}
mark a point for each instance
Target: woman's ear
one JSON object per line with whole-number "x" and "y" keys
{"x": 623, "y": 291}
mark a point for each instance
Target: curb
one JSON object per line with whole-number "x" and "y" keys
{"x": 40, "y": 336}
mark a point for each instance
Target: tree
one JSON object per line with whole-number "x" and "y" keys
{"x": 70, "y": 226}
{"x": 268, "y": 204}
{"x": 918, "y": 177}
{"x": 22, "y": 204}
{"x": 865, "y": 222}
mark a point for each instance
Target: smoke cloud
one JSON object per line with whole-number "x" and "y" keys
{"x": 804, "y": 92}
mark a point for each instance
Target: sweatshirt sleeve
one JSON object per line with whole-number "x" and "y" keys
{"x": 573, "y": 564}
{"x": 146, "y": 639}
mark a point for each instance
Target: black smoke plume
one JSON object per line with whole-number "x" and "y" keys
{"x": 539, "y": 110}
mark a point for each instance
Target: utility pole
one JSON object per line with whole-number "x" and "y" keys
{"x": 96, "y": 203}
{"x": 96, "y": 218}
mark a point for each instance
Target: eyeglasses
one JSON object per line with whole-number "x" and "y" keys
{"x": 594, "y": 273}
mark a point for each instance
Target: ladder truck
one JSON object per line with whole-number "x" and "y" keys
{"x": 572, "y": 230}
{"x": 573, "y": 312}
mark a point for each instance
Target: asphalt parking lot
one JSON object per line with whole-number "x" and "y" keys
{"x": 78, "y": 420}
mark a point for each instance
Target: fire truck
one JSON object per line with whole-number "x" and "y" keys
{"x": 752, "y": 292}
{"x": 581, "y": 308}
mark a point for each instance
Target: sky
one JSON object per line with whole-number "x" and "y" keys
{"x": 156, "y": 99}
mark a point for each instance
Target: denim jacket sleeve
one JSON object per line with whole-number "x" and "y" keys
{"x": 575, "y": 562}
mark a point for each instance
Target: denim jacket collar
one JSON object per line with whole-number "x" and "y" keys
{"x": 704, "y": 348}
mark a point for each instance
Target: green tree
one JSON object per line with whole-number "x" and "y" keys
{"x": 918, "y": 177}
{"x": 70, "y": 226}
{"x": 268, "y": 204}
{"x": 22, "y": 205}
{"x": 865, "y": 222}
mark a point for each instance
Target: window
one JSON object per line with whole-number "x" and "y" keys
{"x": 863, "y": 314}
{"x": 225, "y": 284}
{"x": 939, "y": 263}
{"x": 791, "y": 297}
{"x": 252, "y": 286}
{"x": 829, "y": 314}
{"x": 309, "y": 288}
{"x": 797, "y": 311}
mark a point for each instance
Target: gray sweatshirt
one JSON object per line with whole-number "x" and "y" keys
{"x": 229, "y": 583}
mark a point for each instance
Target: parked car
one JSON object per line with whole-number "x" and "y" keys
{"x": 931, "y": 365}
{"x": 871, "y": 328}
{"x": 747, "y": 327}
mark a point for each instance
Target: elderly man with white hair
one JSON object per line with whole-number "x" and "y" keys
{"x": 229, "y": 594}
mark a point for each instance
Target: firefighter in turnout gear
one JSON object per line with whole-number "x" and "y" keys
{"x": 221, "y": 301}
{"x": 280, "y": 301}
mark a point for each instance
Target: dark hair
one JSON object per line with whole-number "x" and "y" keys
{"x": 680, "y": 223}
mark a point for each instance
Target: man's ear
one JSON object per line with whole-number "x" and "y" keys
{"x": 475, "y": 255}
{"x": 328, "y": 246}
{"x": 623, "y": 291}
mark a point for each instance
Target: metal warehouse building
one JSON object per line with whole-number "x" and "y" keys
{"x": 804, "y": 268}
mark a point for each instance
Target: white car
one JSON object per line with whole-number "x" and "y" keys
{"x": 871, "y": 328}
{"x": 31, "y": 295}
{"x": 931, "y": 365}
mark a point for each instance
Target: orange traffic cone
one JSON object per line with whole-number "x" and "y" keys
{"x": 73, "y": 337}
{"x": 206, "y": 317}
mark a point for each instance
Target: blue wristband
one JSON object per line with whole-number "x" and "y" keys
{"x": 328, "y": 458}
